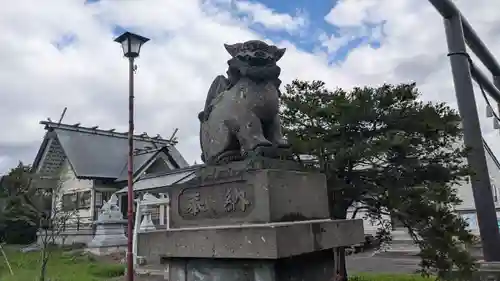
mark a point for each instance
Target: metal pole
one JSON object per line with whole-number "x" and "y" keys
{"x": 480, "y": 181}
{"x": 130, "y": 190}
{"x": 448, "y": 9}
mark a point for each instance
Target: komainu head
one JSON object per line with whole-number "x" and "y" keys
{"x": 255, "y": 52}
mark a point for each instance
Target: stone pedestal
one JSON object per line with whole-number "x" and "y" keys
{"x": 110, "y": 231}
{"x": 251, "y": 220}
{"x": 311, "y": 266}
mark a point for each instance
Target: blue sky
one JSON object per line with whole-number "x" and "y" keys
{"x": 307, "y": 38}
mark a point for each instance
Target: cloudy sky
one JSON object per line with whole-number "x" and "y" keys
{"x": 61, "y": 54}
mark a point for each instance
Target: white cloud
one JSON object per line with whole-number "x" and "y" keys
{"x": 414, "y": 47}
{"x": 352, "y": 12}
{"x": 347, "y": 34}
{"x": 177, "y": 66}
{"x": 259, "y": 13}
{"x": 90, "y": 76}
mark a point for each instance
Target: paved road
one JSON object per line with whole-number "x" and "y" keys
{"x": 367, "y": 263}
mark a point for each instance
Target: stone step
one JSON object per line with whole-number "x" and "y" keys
{"x": 408, "y": 250}
{"x": 397, "y": 254}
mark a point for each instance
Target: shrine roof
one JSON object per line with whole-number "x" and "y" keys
{"x": 96, "y": 153}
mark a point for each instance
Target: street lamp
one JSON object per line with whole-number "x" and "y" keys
{"x": 131, "y": 44}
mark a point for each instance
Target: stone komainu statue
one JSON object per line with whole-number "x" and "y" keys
{"x": 241, "y": 111}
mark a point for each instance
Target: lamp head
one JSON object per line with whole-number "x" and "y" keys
{"x": 131, "y": 44}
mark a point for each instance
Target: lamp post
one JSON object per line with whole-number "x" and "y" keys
{"x": 131, "y": 44}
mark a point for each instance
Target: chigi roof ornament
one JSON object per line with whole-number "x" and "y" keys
{"x": 110, "y": 132}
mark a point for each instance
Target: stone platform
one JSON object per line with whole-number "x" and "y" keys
{"x": 250, "y": 241}
{"x": 248, "y": 220}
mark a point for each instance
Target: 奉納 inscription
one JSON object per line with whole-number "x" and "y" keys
{"x": 196, "y": 204}
{"x": 235, "y": 199}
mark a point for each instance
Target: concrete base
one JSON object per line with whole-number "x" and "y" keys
{"x": 247, "y": 221}
{"x": 251, "y": 241}
{"x": 317, "y": 266}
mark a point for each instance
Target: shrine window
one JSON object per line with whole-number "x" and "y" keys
{"x": 76, "y": 201}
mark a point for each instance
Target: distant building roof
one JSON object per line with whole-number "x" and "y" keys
{"x": 156, "y": 181}
{"x": 95, "y": 153}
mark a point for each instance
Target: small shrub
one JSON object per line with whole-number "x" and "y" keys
{"x": 19, "y": 232}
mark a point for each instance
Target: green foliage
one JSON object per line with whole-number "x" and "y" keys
{"x": 18, "y": 216}
{"x": 108, "y": 271}
{"x": 385, "y": 151}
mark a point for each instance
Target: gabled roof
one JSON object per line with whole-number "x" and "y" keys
{"x": 140, "y": 160}
{"x": 143, "y": 159}
{"x": 94, "y": 153}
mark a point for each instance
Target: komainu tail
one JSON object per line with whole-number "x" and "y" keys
{"x": 219, "y": 85}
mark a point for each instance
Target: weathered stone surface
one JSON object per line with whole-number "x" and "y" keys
{"x": 241, "y": 112}
{"x": 229, "y": 194}
{"x": 264, "y": 241}
{"x": 316, "y": 266}
{"x": 248, "y": 220}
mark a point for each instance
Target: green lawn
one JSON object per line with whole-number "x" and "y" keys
{"x": 388, "y": 277}
{"x": 62, "y": 266}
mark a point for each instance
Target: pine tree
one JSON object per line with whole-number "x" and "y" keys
{"x": 391, "y": 154}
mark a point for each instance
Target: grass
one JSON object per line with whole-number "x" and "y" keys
{"x": 62, "y": 266}
{"x": 388, "y": 277}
